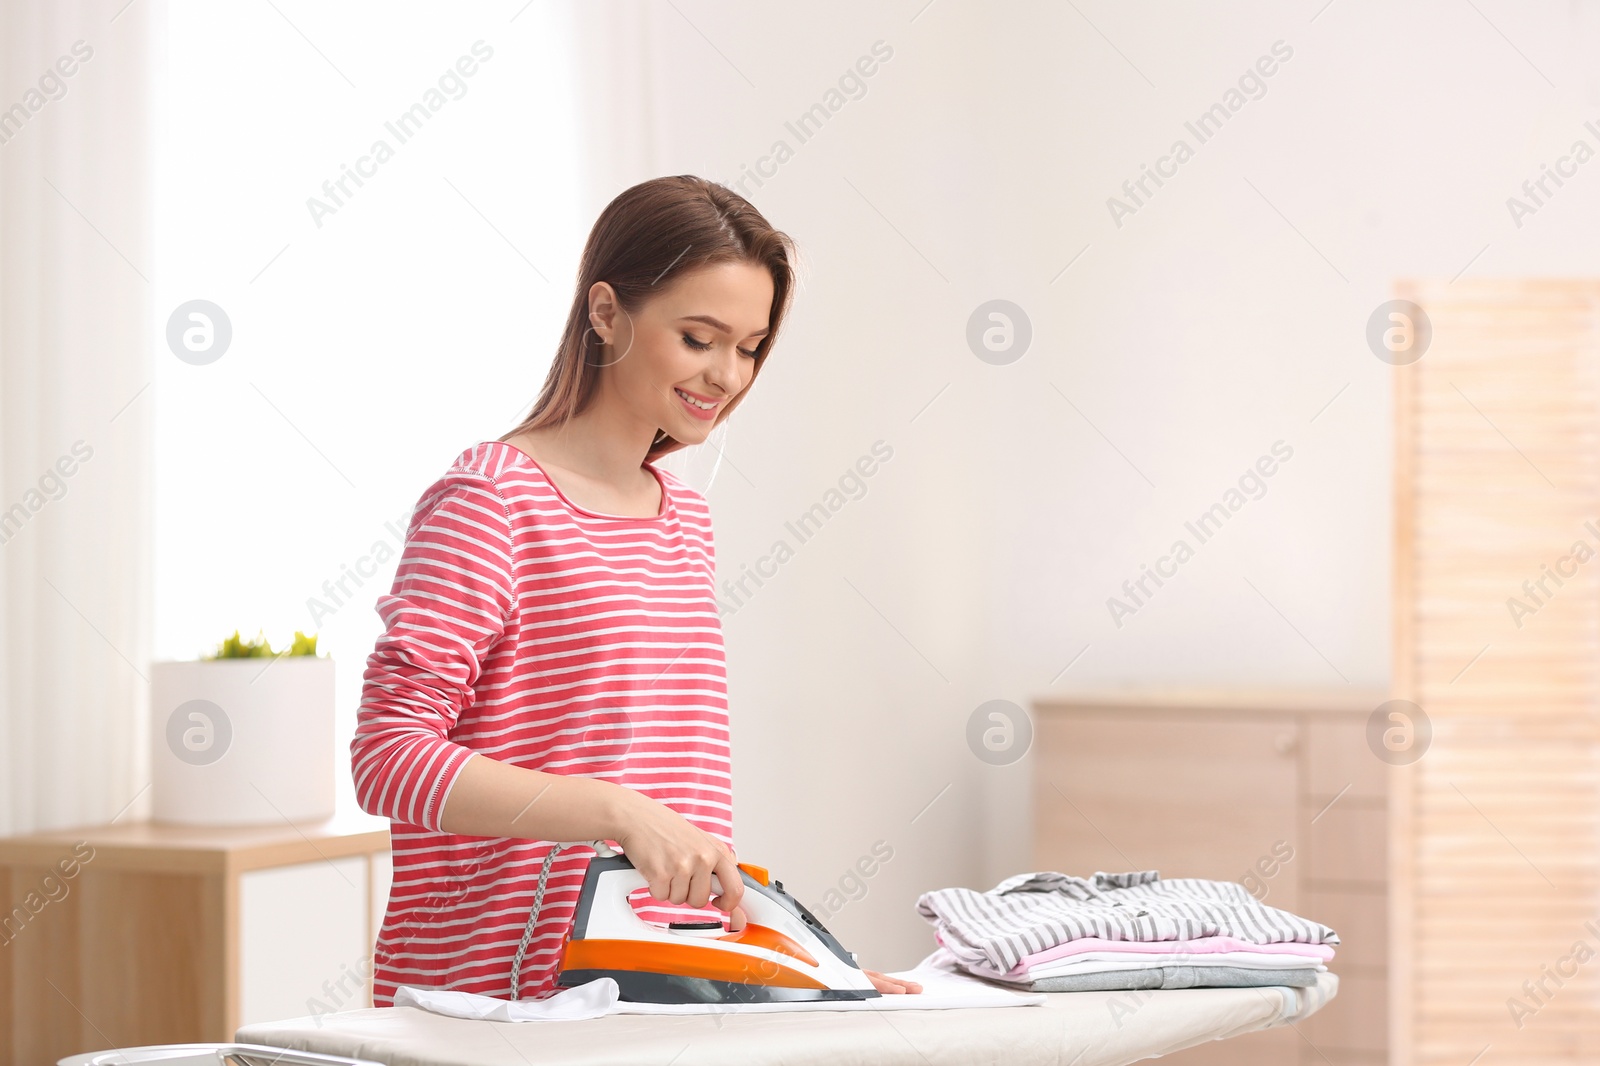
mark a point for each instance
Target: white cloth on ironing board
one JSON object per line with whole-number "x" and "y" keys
{"x": 942, "y": 989}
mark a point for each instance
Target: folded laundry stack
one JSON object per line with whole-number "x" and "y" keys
{"x": 1051, "y": 932}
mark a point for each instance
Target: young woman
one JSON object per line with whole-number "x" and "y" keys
{"x": 552, "y": 663}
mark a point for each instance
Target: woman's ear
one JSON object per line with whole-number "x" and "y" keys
{"x": 602, "y": 310}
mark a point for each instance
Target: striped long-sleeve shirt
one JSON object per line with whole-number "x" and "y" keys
{"x": 528, "y": 630}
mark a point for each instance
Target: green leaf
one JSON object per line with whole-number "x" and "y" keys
{"x": 260, "y": 648}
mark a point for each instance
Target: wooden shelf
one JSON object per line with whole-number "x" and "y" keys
{"x": 169, "y": 848}
{"x": 142, "y": 940}
{"x": 1230, "y": 701}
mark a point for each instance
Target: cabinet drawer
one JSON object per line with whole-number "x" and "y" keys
{"x": 1348, "y": 844}
{"x": 1339, "y": 761}
{"x": 1191, "y": 797}
{"x": 1360, "y": 918}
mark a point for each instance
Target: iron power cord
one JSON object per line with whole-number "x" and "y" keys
{"x": 602, "y": 848}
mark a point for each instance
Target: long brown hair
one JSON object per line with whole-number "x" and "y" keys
{"x": 645, "y": 238}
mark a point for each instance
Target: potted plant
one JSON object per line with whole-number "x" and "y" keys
{"x": 244, "y": 735}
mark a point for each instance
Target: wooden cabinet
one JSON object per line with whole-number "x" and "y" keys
{"x": 306, "y": 935}
{"x": 122, "y": 935}
{"x": 1275, "y": 790}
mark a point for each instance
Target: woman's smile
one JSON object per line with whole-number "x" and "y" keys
{"x": 689, "y": 401}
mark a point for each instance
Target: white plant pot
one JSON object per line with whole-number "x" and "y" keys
{"x": 242, "y": 741}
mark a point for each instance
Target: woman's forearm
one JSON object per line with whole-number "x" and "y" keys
{"x": 496, "y": 799}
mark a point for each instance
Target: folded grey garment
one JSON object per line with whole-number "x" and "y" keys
{"x": 1173, "y": 977}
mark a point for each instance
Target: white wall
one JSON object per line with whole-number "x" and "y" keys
{"x": 1226, "y": 314}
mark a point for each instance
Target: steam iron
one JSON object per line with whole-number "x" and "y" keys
{"x": 782, "y": 955}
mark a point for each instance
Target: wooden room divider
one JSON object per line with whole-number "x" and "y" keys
{"x": 1495, "y": 832}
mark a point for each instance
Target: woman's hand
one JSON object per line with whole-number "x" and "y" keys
{"x": 677, "y": 858}
{"x": 891, "y": 985}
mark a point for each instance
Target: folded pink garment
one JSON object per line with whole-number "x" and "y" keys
{"x": 1203, "y": 945}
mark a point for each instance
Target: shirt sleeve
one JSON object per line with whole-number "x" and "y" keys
{"x": 453, "y": 594}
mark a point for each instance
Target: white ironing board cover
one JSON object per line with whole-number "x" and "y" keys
{"x": 1084, "y": 1028}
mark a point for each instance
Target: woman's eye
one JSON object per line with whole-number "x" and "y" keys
{"x": 701, "y": 346}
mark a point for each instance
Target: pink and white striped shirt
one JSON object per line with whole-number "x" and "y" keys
{"x": 531, "y": 631}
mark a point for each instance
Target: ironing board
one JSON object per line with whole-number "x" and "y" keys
{"x": 1077, "y": 1027}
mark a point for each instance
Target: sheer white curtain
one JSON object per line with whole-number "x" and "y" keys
{"x": 75, "y": 408}
{"x": 150, "y": 505}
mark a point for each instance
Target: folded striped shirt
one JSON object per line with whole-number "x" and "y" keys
{"x": 1034, "y": 912}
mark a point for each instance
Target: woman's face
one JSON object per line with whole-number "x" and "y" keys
{"x": 691, "y": 338}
